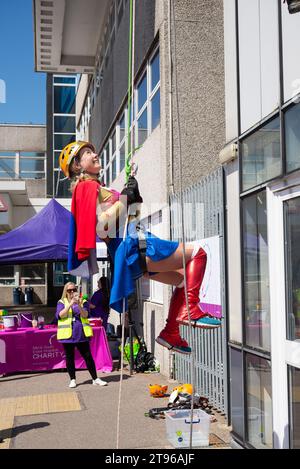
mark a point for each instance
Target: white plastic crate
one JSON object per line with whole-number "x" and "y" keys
{"x": 178, "y": 424}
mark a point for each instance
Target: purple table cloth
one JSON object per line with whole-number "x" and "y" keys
{"x": 29, "y": 349}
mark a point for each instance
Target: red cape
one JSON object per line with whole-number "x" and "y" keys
{"x": 84, "y": 202}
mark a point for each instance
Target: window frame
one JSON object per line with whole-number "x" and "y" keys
{"x": 251, "y": 134}
{"x": 56, "y": 170}
{"x": 16, "y": 173}
{"x": 124, "y": 112}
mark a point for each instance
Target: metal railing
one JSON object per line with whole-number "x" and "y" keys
{"x": 204, "y": 217}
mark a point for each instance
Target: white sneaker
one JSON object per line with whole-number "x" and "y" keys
{"x": 99, "y": 382}
{"x": 72, "y": 383}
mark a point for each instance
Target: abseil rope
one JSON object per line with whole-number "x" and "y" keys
{"x": 128, "y": 168}
{"x": 191, "y": 338}
{"x": 130, "y": 93}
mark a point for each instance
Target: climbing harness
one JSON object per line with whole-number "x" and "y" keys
{"x": 142, "y": 247}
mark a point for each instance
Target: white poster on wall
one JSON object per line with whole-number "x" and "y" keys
{"x": 210, "y": 291}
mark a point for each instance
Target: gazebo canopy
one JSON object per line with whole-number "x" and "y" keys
{"x": 43, "y": 238}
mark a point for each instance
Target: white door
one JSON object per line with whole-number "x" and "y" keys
{"x": 283, "y": 207}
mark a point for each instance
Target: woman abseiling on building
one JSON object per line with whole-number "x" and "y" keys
{"x": 101, "y": 210}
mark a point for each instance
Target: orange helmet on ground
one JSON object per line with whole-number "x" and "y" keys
{"x": 184, "y": 388}
{"x": 157, "y": 390}
{"x": 69, "y": 152}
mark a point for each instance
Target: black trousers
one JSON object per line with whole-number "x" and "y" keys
{"x": 85, "y": 352}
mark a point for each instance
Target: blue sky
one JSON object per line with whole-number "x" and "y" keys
{"x": 25, "y": 89}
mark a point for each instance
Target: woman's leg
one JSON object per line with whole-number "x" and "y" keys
{"x": 104, "y": 318}
{"x": 173, "y": 262}
{"x": 196, "y": 259}
{"x": 169, "y": 337}
{"x": 70, "y": 358}
{"x": 85, "y": 352}
{"x": 195, "y": 270}
{"x": 169, "y": 278}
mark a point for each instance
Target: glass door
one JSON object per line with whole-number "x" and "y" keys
{"x": 284, "y": 230}
{"x": 291, "y": 210}
{"x": 291, "y": 215}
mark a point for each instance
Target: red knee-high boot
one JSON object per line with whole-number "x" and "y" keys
{"x": 170, "y": 336}
{"x": 195, "y": 270}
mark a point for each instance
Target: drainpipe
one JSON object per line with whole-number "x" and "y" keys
{"x": 170, "y": 100}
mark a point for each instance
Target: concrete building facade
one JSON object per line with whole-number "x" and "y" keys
{"x": 23, "y": 190}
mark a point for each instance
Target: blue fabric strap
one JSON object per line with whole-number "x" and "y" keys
{"x": 142, "y": 248}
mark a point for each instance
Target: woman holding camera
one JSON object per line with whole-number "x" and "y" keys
{"x": 74, "y": 331}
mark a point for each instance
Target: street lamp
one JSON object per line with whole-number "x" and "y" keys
{"x": 293, "y": 5}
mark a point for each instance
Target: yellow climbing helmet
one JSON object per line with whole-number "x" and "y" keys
{"x": 186, "y": 388}
{"x": 69, "y": 152}
{"x": 157, "y": 390}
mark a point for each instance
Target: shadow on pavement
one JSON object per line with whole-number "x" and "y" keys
{"x": 107, "y": 378}
{"x": 13, "y": 432}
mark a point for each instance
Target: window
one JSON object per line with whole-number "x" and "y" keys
{"x": 61, "y": 140}
{"x": 7, "y": 168}
{"x": 32, "y": 168}
{"x": 122, "y": 157}
{"x": 154, "y": 71}
{"x": 292, "y": 138}
{"x": 142, "y": 93}
{"x": 108, "y": 176}
{"x": 155, "y": 110}
{"x": 146, "y": 118}
{"x": 61, "y": 275}
{"x": 147, "y": 103}
{"x": 64, "y": 99}
{"x": 102, "y": 160}
{"x": 259, "y": 402}
{"x": 113, "y": 143}
{"x": 122, "y": 127}
{"x": 70, "y": 80}
{"x": 114, "y": 168}
{"x": 22, "y": 165}
{"x": 256, "y": 271}
{"x": 7, "y": 154}
{"x": 32, "y": 154}
{"x": 61, "y": 188}
{"x": 237, "y": 409}
{"x": 32, "y": 274}
{"x": 64, "y": 124}
{"x": 7, "y": 275}
{"x": 292, "y": 255}
{"x": 106, "y": 164}
{"x": 122, "y": 143}
{"x": 142, "y": 128}
{"x": 56, "y": 158}
{"x": 261, "y": 155}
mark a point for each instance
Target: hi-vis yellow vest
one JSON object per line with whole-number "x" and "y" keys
{"x": 64, "y": 325}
